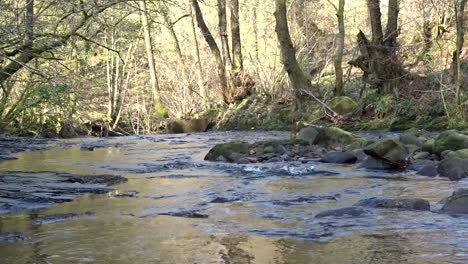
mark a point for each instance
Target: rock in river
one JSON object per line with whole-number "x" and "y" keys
{"x": 339, "y": 157}
{"x": 453, "y": 168}
{"x": 457, "y": 203}
{"x": 396, "y": 203}
{"x": 352, "y": 211}
{"x": 390, "y": 150}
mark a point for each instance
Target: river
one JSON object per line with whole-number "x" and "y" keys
{"x": 178, "y": 208}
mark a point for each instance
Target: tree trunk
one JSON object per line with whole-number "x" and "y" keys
{"x": 379, "y": 60}
{"x": 29, "y": 22}
{"x": 238, "y": 64}
{"x": 214, "y": 49}
{"x": 155, "y": 91}
{"x": 288, "y": 54}
{"x": 222, "y": 23}
{"x": 198, "y": 67}
{"x": 456, "y": 63}
{"x": 339, "y": 90}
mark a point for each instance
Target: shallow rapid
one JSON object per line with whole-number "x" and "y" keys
{"x": 178, "y": 208}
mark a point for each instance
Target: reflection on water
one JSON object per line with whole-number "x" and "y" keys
{"x": 255, "y": 215}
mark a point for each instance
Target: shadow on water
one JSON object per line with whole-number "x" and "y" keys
{"x": 177, "y": 208}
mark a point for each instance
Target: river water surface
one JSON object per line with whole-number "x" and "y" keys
{"x": 178, "y": 208}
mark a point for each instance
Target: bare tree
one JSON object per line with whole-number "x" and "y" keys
{"x": 155, "y": 91}
{"x": 222, "y": 23}
{"x": 339, "y": 89}
{"x": 214, "y": 49}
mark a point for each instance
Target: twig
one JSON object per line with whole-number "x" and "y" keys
{"x": 335, "y": 114}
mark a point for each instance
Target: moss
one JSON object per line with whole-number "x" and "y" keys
{"x": 287, "y": 142}
{"x": 227, "y": 148}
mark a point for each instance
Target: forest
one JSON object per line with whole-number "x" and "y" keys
{"x": 124, "y": 67}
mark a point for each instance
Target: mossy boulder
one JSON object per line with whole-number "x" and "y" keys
{"x": 409, "y": 139}
{"x": 343, "y": 105}
{"x": 457, "y": 203}
{"x": 461, "y": 153}
{"x": 187, "y": 126}
{"x": 330, "y": 137}
{"x": 227, "y": 150}
{"x": 308, "y": 134}
{"x": 428, "y": 145}
{"x": 450, "y": 140}
{"x": 454, "y": 168}
{"x": 390, "y": 150}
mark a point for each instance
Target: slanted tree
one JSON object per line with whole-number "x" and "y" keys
{"x": 298, "y": 79}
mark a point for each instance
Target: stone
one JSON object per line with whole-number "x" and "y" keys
{"x": 408, "y": 139}
{"x": 428, "y": 170}
{"x": 308, "y": 134}
{"x": 226, "y": 149}
{"x": 343, "y": 105}
{"x": 389, "y": 150}
{"x": 428, "y": 146}
{"x": 339, "y": 157}
{"x": 457, "y": 203}
{"x": 188, "y": 126}
{"x": 396, "y": 203}
{"x": 461, "y": 153}
{"x": 371, "y": 163}
{"x": 453, "y": 168}
{"x": 352, "y": 211}
{"x": 421, "y": 155}
{"x": 450, "y": 140}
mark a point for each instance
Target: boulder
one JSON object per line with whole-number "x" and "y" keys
{"x": 228, "y": 151}
{"x": 389, "y": 150}
{"x": 461, "y": 153}
{"x": 428, "y": 146}
{"x": 457, "y": 203}
{"x": 453, "y": 168}
{"x": 343, "y": 105}
{"x": 339, "y": 157}
{"x": 430, "y": 170}
{"x": 450, "y": 140}
{"x": 308, "y": 134}
{"x": 341, "y": 212}
{"x": 415, "y": 132}
{"x": 408, "y": 139}
{"x": 187, "y": 126}
{"x": 396, "y": 203}
{"x": 371, "y": 163}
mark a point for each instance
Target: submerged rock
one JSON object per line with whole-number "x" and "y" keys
{"x": 457, "y": 203}
{"x": 352, "y": 211}
{"x": 50, "y": 219}
{"x": 186, "y": 214}
{"x": 371, "y": 163}
{"x": 339, "y": 157}
{"x": 396, "y": 203}
{"x": 12, "y": 237}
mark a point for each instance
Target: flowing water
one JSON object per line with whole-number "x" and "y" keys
{"x": 177, "y": 208}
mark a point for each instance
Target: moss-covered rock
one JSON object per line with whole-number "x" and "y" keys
{"x": 461, "y": 153}
{"x": 227, "y": 149}
{"x": 343, "y": 105}
{"x": 308, "y": 134}
{"x": 428, "y": 145}
{"x": 390, "y": 150}
{"x": 457, "y": 203}
{"x": 450, "y": 140}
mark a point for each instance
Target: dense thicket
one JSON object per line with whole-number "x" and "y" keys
{"x": 124, "y": 66}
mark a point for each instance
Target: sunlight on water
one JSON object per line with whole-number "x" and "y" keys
{"x": 250, "y": 213}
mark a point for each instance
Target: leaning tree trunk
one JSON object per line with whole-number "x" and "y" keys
{"x": 297, "y": 77}
{"x": 379, "y": 60}
{"x": 214, "y": 49}
{"x": 222, "y": 23}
